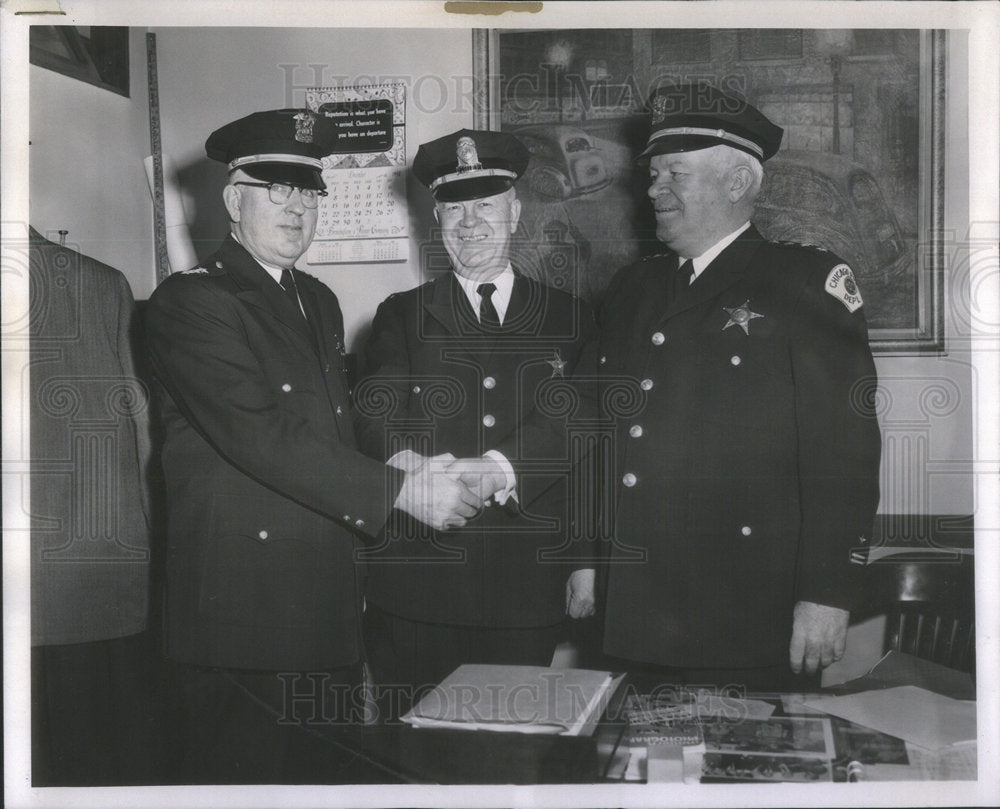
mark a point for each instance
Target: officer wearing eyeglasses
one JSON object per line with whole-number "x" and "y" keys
{"x": 268, "y": 496}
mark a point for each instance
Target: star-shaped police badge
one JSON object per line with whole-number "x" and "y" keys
{"x": 557, "y": 363}
{"x": 741, "y": 316}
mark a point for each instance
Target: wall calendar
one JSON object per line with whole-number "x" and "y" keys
{"x": 364, "y": 218}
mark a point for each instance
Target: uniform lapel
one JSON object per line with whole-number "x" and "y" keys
{"x": 717, "y": 277}
{"x": 259, "y": 290}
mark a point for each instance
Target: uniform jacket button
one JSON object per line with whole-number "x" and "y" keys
{"x": 359, "y": 523}
{"x": 286, "y": 388}
{"x": 629, "y": 479}
{"x": 340, "y": 410}
{"x": 735, "y": 359}
{"x": 658, "y": 338}
{"x": 746, "y": 530}
{"x": 646, "y": 384}
{"x": 635, "y": 430}
{"x": 603, "y": 360}
{"x": 489, "y": 420}
{"x": 416, "y": 388}
{"x": 262, "y": 534}
{"x": 489, "y": 383}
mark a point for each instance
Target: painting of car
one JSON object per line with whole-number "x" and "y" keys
{"x": 565, "y": 162}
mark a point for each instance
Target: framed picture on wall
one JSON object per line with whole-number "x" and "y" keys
{"x": 96, "y": 54}
{"x": 860, "y": 171}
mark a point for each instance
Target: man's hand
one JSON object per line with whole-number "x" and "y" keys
{"x": 580, "y": 593}
{"x": 483, "y": 476}
{"x": 432, "y": 494}
{"x": 819, "y": 636}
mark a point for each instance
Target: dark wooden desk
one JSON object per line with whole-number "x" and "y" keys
{"x": 398, "y": 753}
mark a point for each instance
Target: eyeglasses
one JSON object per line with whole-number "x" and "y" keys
{"x": 280, "y": 193}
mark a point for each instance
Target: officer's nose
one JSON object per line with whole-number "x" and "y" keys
{"x": 469, "y": 217}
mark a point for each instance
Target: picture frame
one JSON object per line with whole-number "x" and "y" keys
{"x": 860, "y": 173}
{"x": 94, "y": 54}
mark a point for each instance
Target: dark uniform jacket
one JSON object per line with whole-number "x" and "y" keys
{"x": 747, "y": 459}
{"x": 90, "y": 448}
{"x": 437, "y": 382}
{"x": 267, "y": 494}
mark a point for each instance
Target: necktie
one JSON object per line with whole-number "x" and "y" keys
{"x": 682, "y": 279}
{"x": 288, "y": 284}
{"x": 488, "y": 316}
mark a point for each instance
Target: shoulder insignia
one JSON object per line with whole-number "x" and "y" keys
{"x": 654, "y": 256}
{"x": 841, "y": 284}
{"x": 193, "y": 271}
{"x": 817, "y": 247}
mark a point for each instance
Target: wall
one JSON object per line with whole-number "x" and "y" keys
{"x": 209, "y": 77}
{"x": 86, "y": 173}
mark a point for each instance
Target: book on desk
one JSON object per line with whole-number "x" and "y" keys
{"x": 516, "y": 699}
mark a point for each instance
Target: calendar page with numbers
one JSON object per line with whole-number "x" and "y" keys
{"x": 363, "y": 218}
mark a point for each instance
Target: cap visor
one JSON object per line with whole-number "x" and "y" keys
{"x": 473, "y": 188}
{"x": 300, "y": 176}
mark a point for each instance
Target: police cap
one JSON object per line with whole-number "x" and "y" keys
{"x": 470, "y": 164}
{"x": 689, "y": 117}
{"x": 276, "y": 146}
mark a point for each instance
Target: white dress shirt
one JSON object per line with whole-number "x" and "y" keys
{"x": 501, "y": 296}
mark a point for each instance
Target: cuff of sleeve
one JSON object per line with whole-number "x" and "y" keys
{"x": 508, "y": 491}
{"x": 406, "y": 459}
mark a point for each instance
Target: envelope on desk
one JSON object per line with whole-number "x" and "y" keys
{"x": 914, "y": 714}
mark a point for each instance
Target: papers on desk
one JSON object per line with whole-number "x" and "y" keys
{"x": 914, "y": 714}
{"x": 517, "y": 699}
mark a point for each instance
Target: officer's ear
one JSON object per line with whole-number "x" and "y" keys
{"x": 437, "y": 217}
{"x": 740, "y": 183}
{"x": 231, "y": 197}
{"x": 515, "y": 214}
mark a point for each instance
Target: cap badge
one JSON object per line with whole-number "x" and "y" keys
{"x": 468, "y": 157}
{"x": 741, "y": 316}
{"x": 659, "y": 108}
{"x": 304, "y": 122}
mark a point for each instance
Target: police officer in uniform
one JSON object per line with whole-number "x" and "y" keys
{"x": 750, "y": 472}
{"x": 451, "y": 367}
{"x": 268, "y": 495}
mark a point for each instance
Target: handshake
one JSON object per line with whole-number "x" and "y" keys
{"x": 444, "y": 491}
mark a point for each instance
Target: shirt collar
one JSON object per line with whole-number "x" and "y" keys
{"x": 501, "y": 298}
{"x": 706, "y": 258}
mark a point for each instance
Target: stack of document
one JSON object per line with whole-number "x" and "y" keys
{"x": 520, "y": 699}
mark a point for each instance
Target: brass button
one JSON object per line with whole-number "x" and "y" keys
{"x": 603, "y": 360}
{"x": 340, "y": 412}
{"x": 359, "y": 523}
{"x": 489, "y": 420}
{"x": 658, "y": 338}
{"x": 629, "y": 479}
{"x": 416, "y": 388}
{"x": 489, "y": 383}
{"x": 735, "y": 359}
{"x": 746, "y": 530}
{"x": 646, "y": 384}
{"x": 286, "y": 388}
{"x": 635, "y": 430}
{"x": 262, "y": 534}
